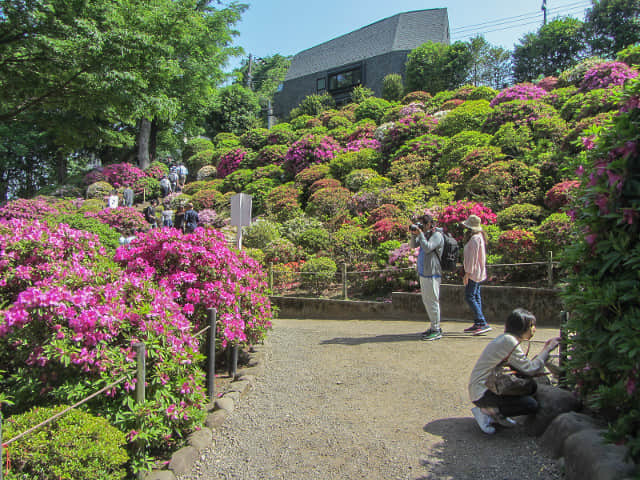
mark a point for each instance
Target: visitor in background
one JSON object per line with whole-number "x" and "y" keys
{"x": 173, "y": 179}
{"x": 431, "y": 243}
{"x": 167, "y": 216}
{"x": 182, "y": 175}
{"x": 150, "y": 213}
{"x": 190, "y": 219}
{"x": 112, "y": 201}
{"x": 128, "y": 197}
{"x": 165, "y": 186}
{"x": 475, "y": 272}
{"x": 491, "y": 408}
{"x": 179, "y": 218}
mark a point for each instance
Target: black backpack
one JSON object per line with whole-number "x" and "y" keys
{"x": 450, "y": 253}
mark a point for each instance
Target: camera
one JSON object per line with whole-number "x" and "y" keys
{"x": 416, "y": 226}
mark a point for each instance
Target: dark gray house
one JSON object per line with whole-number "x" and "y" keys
{"x": 362, "y": 57}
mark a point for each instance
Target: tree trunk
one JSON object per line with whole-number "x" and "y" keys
{"x": 153, "y": 141}
{"x": 61, "y": 167}
{"x": 144, "y": 134}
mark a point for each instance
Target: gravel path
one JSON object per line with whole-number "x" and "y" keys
{"x": 367, "y": 400}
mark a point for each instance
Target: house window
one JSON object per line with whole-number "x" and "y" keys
{"x": 345, "y": 79}
{"x": 321, "y": 85}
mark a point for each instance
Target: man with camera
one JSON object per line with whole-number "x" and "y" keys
{"x": 431, "y": 243}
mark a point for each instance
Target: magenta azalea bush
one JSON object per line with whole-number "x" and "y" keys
{"x": 124, "y": 220}
{"x": 517, "y": 245}
{"x": 309, "y": 150}
{"x": 607, "y": 75}
{"x": 205, "y": 273}
{"x": 451, "y": 216}
{"x": 561, "y": 194}
{"x": 521, "y": 91}
{"x": 29, "y": 209}
{"x": 230, "y": 162}
{"x": 117, "y": 174}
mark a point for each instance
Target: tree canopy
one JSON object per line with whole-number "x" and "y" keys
{"x": 434, "y": 67}
{"x": 612, "y": 25}
{"x": 556, "y": 46}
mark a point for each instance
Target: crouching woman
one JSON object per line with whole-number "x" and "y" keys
{"x": 493, "y": 408}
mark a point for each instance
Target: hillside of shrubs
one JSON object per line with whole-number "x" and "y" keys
{"x": 548, "y": 166}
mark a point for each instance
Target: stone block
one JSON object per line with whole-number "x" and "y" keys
{"x": 563, "y": 426}
{"x": 553, "y": 401}
{"x": 588, "y": 457}
{"x": 215, "y": 419}
{"x": 225, "y": 403}
{"x": 183, "y": 460}
{"x": 201, "y": 439}
{"x": 160, "y": 475}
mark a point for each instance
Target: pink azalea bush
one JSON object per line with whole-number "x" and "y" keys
{"x": 357, "y": 145}
{"x": 607, "y": 75}
{"x": 72, "y": 319}
{"x": 517, "y": 245}
{"x": 521, "y": 91}
{"x": 451, "y": 216}
{"x": 230, "y": 162}
{"x": 205, "y": 273}
{"x": 29, "y": 209}
{"x": 560, "y": 194}
{"x": 309, "y": 150}
{"x": 124, "y": 220}
{"x": 117, "y": 174}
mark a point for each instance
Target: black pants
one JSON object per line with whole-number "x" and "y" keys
{"x": 510, "y": 405}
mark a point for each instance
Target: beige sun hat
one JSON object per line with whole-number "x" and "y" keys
{"x": 473, "y": 223}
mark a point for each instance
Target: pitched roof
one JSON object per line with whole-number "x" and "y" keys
{"x": 404, "y": 31}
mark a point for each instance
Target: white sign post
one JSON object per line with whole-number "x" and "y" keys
{"x": 240, "y": 214}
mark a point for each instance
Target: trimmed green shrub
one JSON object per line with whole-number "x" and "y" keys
{"x": 343, "y": 163}
{"x": 91, "y": 205}
{"x": 318, "y": 273}
{"x": 295, "y": 227}
{"x": 360, "y": 93}
{"x": 412, "y": 168}
{"x": 282, "y": 134}
{"x": 630, "y": 55}
{"x": 351, "y": 244}
{"x": 392, "y": 87}
{"x": 237, "y": 180}
{"x": 207, "y": 198}
{"x": 314, "y": 240}
{"x": 99, "y": 190}
{"x": 208, "y": 172}
{"x": 109, "y": 238}
{"x": 255, "y": 138}
{"x": 260, "y": 233}
{"x": 146, "y": 188}
{"x": 522, "y": 215}
{"x": 75, "y": 446}
{"x": 192, "y": 188}
{"x": 514, "y": 140}
{"x": 196, "y": 145}
{"x": 313, "y": 105}
{"x": 271, "y": 154}
{"x": 454, "y": 149}
{"x": 471, "y": 115}
{"x": 373, "y": 108}
{"x": 505, "y": 183}
{"x": 556, "y": 98}
{"x": 259, "y": 189}
{"x": 282, "y": 204}
{"x": 417, "y": 96}
{"x": 329, "y": 204}
{"x": 282, "y": 250}
{"x": 356, "y": 179}
{"x": 555, "y": 233}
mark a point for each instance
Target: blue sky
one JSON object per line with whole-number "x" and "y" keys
{"x": 289, "y": 26}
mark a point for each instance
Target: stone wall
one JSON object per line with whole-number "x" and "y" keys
{"x": 497, "y": 303}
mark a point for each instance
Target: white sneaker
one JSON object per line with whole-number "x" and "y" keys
{"x": 484, "y": 421}
{"x": 504, "y": 421}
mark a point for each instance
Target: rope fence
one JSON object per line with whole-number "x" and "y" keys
{"x": 367, "y": 282}
{"x": 140, "y": 385}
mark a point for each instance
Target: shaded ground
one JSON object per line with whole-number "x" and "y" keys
{"x": 368, "y": 399}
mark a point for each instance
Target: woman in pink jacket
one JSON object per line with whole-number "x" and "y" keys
{"x": 475, "y": 271}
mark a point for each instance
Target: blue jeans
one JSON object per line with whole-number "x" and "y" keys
{"x": 472, "y": 296}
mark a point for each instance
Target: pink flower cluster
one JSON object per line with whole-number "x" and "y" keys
{"x": 204, "y": 273}
{"x": 517, "y": 245}
{"x": 560, "y": 194}
{"x": 357, "y": 145}
{"x": 117, "y": 174}
{"x": 606, "y": 75}
{"x": 451, "y": 216}
{"x": 308, "y": 150}
{"x": 230, "y": 162}
{"x": 28, "y": 209}
{"x": 521, "y": 91}
{"x": 124, "y": 220}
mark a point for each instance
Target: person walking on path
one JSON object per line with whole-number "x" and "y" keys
{"x": 165, "y": 186}
{"x": 190, "y": 219}
{"x": 112, "y": 201}
{"x": 475, "y": 272}
{"x": 491, "y": 408}
{"x": 150, "y": 213}
{"x": 128, "y": 197}
{"x": 431, "y": 243}
{"x": 179, "y": 218}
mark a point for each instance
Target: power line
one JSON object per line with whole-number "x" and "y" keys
{"x": 520, "y": 19}
{"x": 470, "y": 33}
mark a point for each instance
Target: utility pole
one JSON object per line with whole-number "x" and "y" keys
{"x": 544, "y": 13}
{"x": 249, "y": 77}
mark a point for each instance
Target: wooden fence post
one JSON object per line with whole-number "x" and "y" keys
{"x": 562, "y": 348}
{"x": 271, "y": 277}
{"x": 211, "y": 392}
{"x": 344, "y": 281}
{"x": 550, "y": 270}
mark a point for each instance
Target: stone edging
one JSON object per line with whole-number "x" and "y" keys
{"x": 183, "y": 460}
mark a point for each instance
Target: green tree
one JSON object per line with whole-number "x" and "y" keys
{"x": 612, "y": 25}
{"x": 392, "y": 87}
{"x": 490, "y": 66}
{"x": 556, "y": 46}
{"x": 266, "y": 74}
{"x": 434, "y": 67}
{"x": 235, "y": 109}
